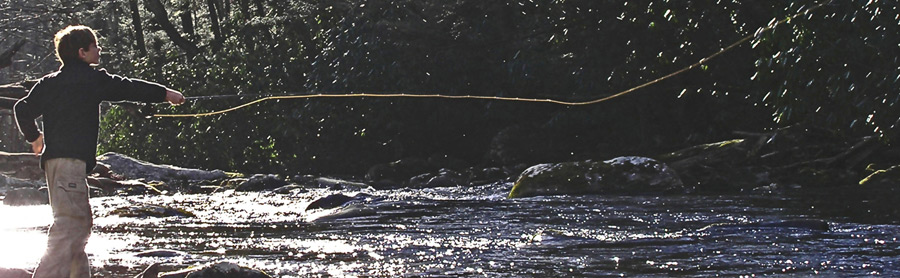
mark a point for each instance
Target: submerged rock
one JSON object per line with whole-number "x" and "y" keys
{"x": 628, "y": 175}
{"x": 164, "y": 253}
{"x": 131, "y": 168}
{"x": 804, "y": 224}
{"x": 343, "y": 212}
{"x": 335, "y": 200}
{"x": 443, "y": 178}
{"x": 26, "y": 197}
{"x": 261, "y": 182}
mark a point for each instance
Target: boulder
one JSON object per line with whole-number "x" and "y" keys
{"x": 26, "y": 197}
{"x": 622, "y": 175}
{"x": 443, "y": 178}
{"x": 131, "y": 168}
{"x": 261, "y": 182}
{"x": 8, "y": 181}
{"x": 21, "y": 165}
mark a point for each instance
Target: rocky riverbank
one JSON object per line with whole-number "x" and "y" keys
{"x": 784, "y": 161}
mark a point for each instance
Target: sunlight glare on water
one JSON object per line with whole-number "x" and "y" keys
{"x": 23, "y": 235}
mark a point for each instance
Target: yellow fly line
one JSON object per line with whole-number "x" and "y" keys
{"x": 771, "y": 26}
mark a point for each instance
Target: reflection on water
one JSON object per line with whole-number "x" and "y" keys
{"x": 470, "y": 232}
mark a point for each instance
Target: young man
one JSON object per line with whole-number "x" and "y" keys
{"x": 69, "y": 102}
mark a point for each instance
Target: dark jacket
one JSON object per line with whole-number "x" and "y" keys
{"x": 69, "y": 100}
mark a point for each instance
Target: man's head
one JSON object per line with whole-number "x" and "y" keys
{"x": 77, "y": 43}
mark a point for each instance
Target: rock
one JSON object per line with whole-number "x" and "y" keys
{"x": 131, "y": 168}
{"x": 343, "y": 212}
{"x": 219, "y": 270}
{"x": 335, "y": 184}
{"x": 622, "y": 175}
{"x": 261, "y": 182}
{"x": 21, "y": 165}
{"x": 443, "y": 178}
{"x": 127, "y": 187}
{"x": 26, "y": 197}
{"x": 150, "y": 211}
{"x": 151, "y": 271}
{"x": 335, "y": 200}
{"x": 14, "y": 273}
{"x": 7, "y": 181}
{"x": 164, "y": 253}
{"x": 288, "y": 189}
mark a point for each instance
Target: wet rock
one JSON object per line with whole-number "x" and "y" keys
{"x": 110, "y": 187}
{"x": 150, "y": 211}
{"x": 26, "y": 197}
{"x": 261, "y": 182}
{"x": 622, "y": 175}
{"x": 219, "y": 270}
{"x": 7, "y": 181}
{"x": 21, "y": 165}
{"x": 290, "y": 188}
{"x": 343, "y": 212}
{"x": 335, "y": 200}
{"x": 131, "y": 168}
{"x": 804, "y": 224}
{"x": 443, "y": 178}
{"x": 335, "y": 184}
{"x": 14, "y": 273}
{"x": 163, "y": 253}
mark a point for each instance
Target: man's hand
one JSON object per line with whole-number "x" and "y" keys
{"x": 174, "y": 97}
{"x": 38, "y": 145}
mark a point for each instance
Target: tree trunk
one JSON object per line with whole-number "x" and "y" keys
{"x": 260, "y": 8}
{"x": 138, "y": 28}
{"x": 187, "y": 18}
{"x": 245, "y": 8}
{"x": 162, "y": 18}
{"x": 214, "y": 21}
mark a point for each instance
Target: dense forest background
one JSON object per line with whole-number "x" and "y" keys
{"x": 835, "y": 68}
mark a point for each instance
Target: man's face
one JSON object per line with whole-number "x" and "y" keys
{"x": 90, "y": 55}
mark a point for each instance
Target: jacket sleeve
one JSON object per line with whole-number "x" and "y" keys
{"x": 118, "y": 88}
{"x": 27, "y": 110}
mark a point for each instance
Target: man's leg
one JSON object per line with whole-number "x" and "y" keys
{"x": 72, "y": 221}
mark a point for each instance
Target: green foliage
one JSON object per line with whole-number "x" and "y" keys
{"x": 835, "y": 68}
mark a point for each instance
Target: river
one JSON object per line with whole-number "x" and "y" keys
{"x": 470, "y": 232}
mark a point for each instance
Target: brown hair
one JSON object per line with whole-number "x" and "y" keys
{"x": 69, "y": 40}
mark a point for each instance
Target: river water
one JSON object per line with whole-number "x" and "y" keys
{"x": 470, "y": 232}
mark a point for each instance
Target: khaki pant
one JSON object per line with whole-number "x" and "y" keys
{"x": 72, "y": 221}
